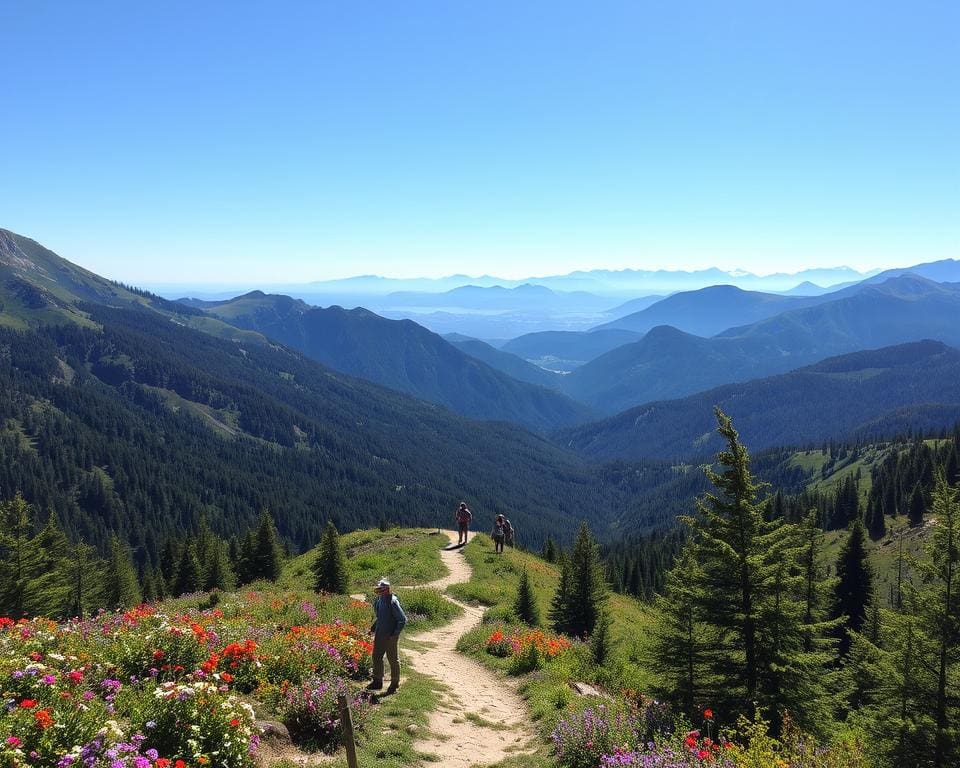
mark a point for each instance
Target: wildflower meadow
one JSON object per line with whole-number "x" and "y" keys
{"x": 170, "y": 688}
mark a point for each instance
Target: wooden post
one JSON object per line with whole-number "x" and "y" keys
{"x": 346, "y": 721}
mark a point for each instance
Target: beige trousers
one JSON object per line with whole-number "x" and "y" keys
{"x": 386, "y": 645}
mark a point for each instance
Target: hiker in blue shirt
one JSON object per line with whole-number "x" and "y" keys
{"x": 388, "y": 622}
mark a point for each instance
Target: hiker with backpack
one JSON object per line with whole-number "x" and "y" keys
{"x": 463, "y": 517}
{"x": 498, "y": 534}
{"x": 509, "y": 532}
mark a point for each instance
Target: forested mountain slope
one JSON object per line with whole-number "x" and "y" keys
{"x": 142, "y": 426}
{"x": 401, "y": 355}
{"x": 873, "y": 393}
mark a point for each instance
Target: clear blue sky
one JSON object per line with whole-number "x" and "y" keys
{"x": 278, "y": 142}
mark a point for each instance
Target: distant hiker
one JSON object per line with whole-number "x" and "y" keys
{"x": 388, "y": 622}
{"x": 508, "y": 532}
{"x": 464, "y": 516}
{"x": 499, "y": 533}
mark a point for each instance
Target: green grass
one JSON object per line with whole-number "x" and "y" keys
{"x": 494, "y": 584}
{"x": 405, "y": 556}
{"x": 426, "y": 608}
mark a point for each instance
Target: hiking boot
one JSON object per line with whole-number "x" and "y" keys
{"x": 374, "y": 686}
{"x": 392, "y": 688}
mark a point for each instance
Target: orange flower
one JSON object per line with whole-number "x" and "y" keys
{"x": 43, "y": 718}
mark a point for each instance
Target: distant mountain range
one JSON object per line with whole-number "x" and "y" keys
{"x": 401, "y": 355}
{"x": 708, "y": 311}
{"x": 623, "y": 282}
{"x": 872, "y": 393}
{"x": 668, "y": 363}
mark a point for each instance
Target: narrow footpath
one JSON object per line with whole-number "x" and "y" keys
{"x": 481, "y": 718}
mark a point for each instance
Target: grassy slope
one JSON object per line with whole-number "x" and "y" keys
{"x": 404, "y": 556}
{"x": 884, "y": 553}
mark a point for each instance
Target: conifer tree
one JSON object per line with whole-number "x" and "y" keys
{"x": 817, "y": 589}
{"x": 50, "y": 585}
{"x": 749, "y": 586}
{"x": 20, "y": 558}
{"x": 148, "y": 586}
{"x": 600, "y": 639}
{"x": 549, "y": 550}
{"x": 121, "y": 588}
{"x": 681, "y": 640}
{"x": 576, "y": 612}
{"x": 267, "y": 556}
{"x": 560, "y": 608}
{"x": 219, "y": 571}
{"x": 854, "y": 589}
{"x": 189, "y": 576}
{"x": 330, "y": 568}
{"x": 525, "y": 605}
{"x": 936, "y": 601}
{"x": 84, "y": 571}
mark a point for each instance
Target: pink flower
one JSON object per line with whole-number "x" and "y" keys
{"x": 13, "y": 741}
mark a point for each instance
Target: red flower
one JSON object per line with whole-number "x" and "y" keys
{"x": 162, "y": 762}
{"x": 43, "y": 719}
{"x": 708, "y": 713}
{"x": 235, "y": 722}
{"x": 28, "y": 704}
{"x": 179, "y": 764}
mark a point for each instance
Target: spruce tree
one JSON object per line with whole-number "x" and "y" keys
{"x": 148, "y": 586}
{"x": 85, "y": 576}
{"x": 189, "y": 576}
{"x": 219, "y": 573}
{"x": 854, "y": 589}
{"x": 681, "y": 641}
{"x": 600, "y": 639}
{"x": 579, "y": 601}
{"x": 121, "y": 588}
{"x": 749, "y": 585}
{"x": 936, "y": 601}
{"x": 267, "y": 556}
{"x": 560, "y": 604}
{"x": 525, "y": 605}
{"x": 50, "y": 587}
{"x": 20, "y": 557}
{"x": 330, "y": 568}
{"x": 549, "y": 551}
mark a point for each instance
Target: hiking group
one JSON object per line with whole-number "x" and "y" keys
{"x": 501, "y": 533}
{"x": 388, "y": 616}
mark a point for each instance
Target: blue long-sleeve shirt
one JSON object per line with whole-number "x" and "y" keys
{"x": 388, "y": 617}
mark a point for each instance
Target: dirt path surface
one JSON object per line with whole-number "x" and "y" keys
{"x": 481, "y": 718}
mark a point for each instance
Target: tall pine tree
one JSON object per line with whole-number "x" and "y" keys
{"x": 854, "y": 588}
{"x": 750, "y": 586}
{"x": 330, "y": 568}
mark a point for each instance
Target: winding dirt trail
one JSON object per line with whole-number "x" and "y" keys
{"x": 481, "y": 718}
